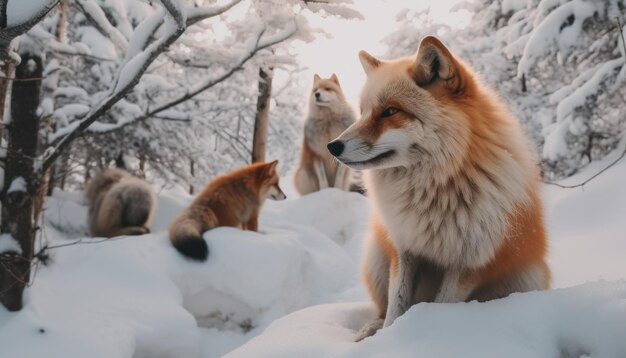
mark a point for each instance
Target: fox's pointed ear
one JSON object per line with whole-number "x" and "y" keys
{"x": 272, "y": 166}
{"x": 368, "y": 61}
{"x": 334, "y": 78}
{"x": 316, "y": 78}
{"x": 434, "y": 63}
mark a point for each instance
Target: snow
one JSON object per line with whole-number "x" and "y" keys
{"x": 9, "y": 244}
{"x": 96, "y": 13}
{"x": 70, "y": 112}
{"x": 18, "y": 184}
{"x": 580, "y": 318}
{"x": 71, "y": 92}
{"x": 20, "y": 11}
{"x": 587, "y": 320}
{"x": 293, "y": 289}
{"x": 549, "y": 33}
{"x": 578, "y": 97}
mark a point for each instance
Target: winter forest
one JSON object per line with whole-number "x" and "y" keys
{"x": 456, "y": 190}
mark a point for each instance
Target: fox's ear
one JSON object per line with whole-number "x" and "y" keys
{"x": 272, "y": 166}
{"x": 334, "y": 78}
{"x": 434, "y": 63}
{"x": 316, "y": 78}
{"x": 368, "y": 61}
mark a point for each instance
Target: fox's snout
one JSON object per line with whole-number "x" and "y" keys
{"x": 336, "y": 147}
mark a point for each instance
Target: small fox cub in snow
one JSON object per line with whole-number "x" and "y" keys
{"x": 454, "y": 186}
{"x": 233, "y": 199}
{"x": 119, "y": 204}
{"x": 329, "y": 115}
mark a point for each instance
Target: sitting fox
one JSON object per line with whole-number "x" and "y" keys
{"x": 119, "y": 204}
{"x": 329, "y": 115}
{"x": 233, "y": 199}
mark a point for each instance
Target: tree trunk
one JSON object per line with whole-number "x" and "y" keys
{"x": 21, "y": 183}
{"x": 6, "y": 67}
{"x": 50, "y": 85}
{"x": 261, "y": 120}
{"x": 120, "y": 162}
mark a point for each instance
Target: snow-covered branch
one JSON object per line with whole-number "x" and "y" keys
{"x": 199, "y": 13}
{"x": 17, "y": 18}
{"x": 97, "y": 17}
{"x": 255, "y": 45}
{"x": 128, "y": 76}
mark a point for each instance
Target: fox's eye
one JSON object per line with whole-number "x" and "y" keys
{"x": 389, "y": 111}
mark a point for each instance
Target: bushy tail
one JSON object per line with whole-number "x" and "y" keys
{"x": 186, "y": 234}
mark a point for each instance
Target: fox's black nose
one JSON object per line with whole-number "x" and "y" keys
{"x": 335, "y": 147}
{"x": 317, "y": 95}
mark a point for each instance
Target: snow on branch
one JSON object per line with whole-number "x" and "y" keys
{"x": 256, "y": 44}
{"x": 16, "y": 18}
{"x": 561, "y": 29}
{"x": 585, "y": 87}
{"x": 97, "y": 17}
{"x": 128, "y": 76}
{"x": 199, "y": 13}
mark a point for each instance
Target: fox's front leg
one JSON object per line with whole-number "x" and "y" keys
{"x": 320, "y": 171}
{"x": 454, "y": 287}
{"x": 253, "y": 223}
{"x": 402, "y": 283}
{"x": 342, "y": 178}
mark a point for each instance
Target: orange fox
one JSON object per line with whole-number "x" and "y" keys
{"x": 233, "y": 199}
{"x": 454, "y": 185}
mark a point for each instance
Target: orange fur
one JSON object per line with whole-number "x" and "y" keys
{"x": 454, "y": 185}
{"x": 233, "y": 199}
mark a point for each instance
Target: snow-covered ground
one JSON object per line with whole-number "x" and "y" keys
{"x": 293, "y": 289}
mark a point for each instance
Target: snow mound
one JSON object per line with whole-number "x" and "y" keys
{"x": 138, "y": 297}
{"x": 587, "y": 320}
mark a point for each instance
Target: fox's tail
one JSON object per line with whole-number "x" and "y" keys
{"x": 186, "y": 233}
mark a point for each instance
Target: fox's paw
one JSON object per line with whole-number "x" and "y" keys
{"x": 369, "y": 329}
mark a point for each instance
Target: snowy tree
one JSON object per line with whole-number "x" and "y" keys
{"x": 559, "y": 64}
{"x": 94, "y": 84}
{"x": 577, "y": 47}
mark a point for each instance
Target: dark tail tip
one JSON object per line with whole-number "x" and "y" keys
{"x": 192, "y": 247}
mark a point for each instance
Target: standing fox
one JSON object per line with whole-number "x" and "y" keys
{"x": 455, "y": 188}
{"x": 233, "y": 199}
{"x": 329, "y": 115}
{"x": 119, "y": 204}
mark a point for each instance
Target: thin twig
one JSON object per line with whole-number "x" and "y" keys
{"x": 592, "y": 177}
{"x": 619, "y": 28}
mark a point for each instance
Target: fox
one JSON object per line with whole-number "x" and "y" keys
{"x": 119, "y": 204}
{"x": 453, "y": 182}
{"x": 329, "y": 114}
{"x": 233, "y": 199}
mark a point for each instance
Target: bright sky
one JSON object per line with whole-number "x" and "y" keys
{"x": 340, "y": 54}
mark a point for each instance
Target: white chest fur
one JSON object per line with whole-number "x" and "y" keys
{"x": 460, "y": 223}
